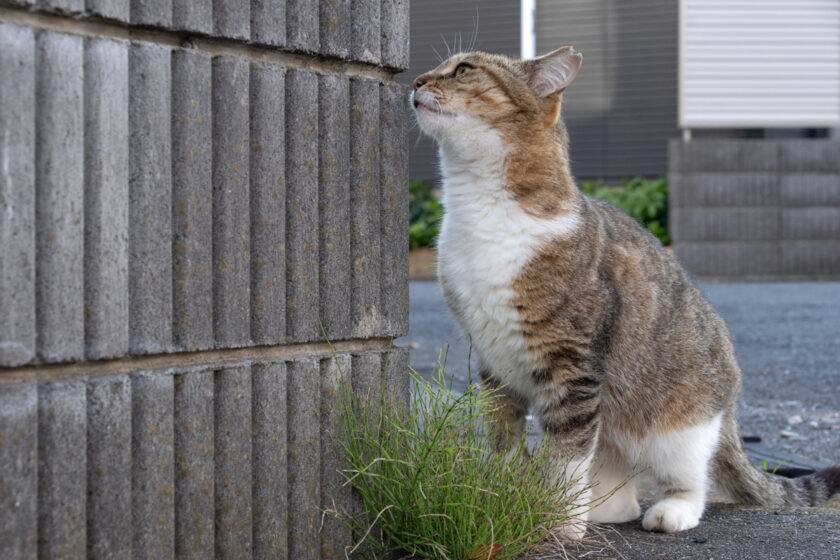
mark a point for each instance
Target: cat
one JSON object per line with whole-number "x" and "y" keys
{"x": 577, "y": 312}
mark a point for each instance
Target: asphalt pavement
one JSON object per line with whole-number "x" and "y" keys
{"x": 787, "y": 339}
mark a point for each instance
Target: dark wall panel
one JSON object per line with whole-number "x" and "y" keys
{"x": 622, "y": 108}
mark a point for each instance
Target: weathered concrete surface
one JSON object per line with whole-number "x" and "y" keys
{"x": 268, "y": 204}
{"x": 106, "y": 198}
{"x": 17, "y": 191}
{"x": 334, "y": 202}
{"x": 192, "y": 201}
{"x": 165, "y": 197}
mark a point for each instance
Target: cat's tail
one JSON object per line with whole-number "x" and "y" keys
{"x": 746, "y": 484}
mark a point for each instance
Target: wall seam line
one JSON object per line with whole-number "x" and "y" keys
{"x": 191, "y": 41}
{"x": 183, "y": 361}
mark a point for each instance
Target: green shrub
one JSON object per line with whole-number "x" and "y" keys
{"x": 646, "y": 201}
{"x": 425, "y": 212}
{"x": 430, "y": 484}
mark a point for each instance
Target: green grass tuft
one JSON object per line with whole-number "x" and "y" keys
{"x": 429, "y": 483}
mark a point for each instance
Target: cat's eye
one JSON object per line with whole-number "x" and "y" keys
{"x": 462, "y": 69}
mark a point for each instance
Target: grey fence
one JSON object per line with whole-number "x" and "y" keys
{"x": 189, "y": 190}
{"x": 756, "y": 209}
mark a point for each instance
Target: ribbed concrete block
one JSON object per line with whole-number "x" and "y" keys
{"x": 365, "y": 202}
{"x": 106, "y": 198}
{"x": 193, "y": 15}
{"x": 729, "y": 258}
{"x": 231, "y": 221}
{"x": 151, "y": 12}
{"x": 304, "y": 444}
{"x": 268, "y": 22}
{"x": 232, "y": 451}
{"x": 119, "y": 10}
{"x": 59, "y": 180}
{"x": 268, "y": 204}
{"x": 811, "y": 224}
{"x": 367, "y": 376}
{"x": 63, "y": 6}
{"x": 724, "y": 224}
{"x": 150, "y": 199}
{"x": 395, "y": 33}
{"x": 723, "y": 155}
{"x": 335, "y": 20}
{"x": 366, "y": 381}
{"x": 811, "y": 259}
{"x": 302, "y": 206}
{"x": 393, "y": 148}
{"x": 194, "y": 468}
{"x": 758, "y": 155}
{"x": 152, "y": 468}
{"x": 62, "y": 468}
{"x": 364, "y": 30}
{"x": 192, "y": 201}
{"x": 397, "y": 377}
{"x": 109, "y": 467}
{"x": 810, "y": 189}
{"x": 335, "y": 535}
{"x": 302, "y": 25}
{"x": 270, "y": 498}
{"x": 232, "y": 18}
{"x": 809, "y": 155}
{"x": 19, "y": 469}
{"x": 334, "y": 202}
{"x": 17, "y": 190}
{"x": 723, "y": 189}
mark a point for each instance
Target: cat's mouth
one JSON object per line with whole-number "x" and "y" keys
{"x": 420, "y": 106}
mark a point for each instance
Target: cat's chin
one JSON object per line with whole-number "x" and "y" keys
{"x": 433, "y": 122}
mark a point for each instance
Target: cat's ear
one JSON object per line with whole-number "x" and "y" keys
{"x": 553, "y": 72}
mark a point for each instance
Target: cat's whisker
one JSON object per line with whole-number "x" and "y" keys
{"x": 440, "y": 58}
{"x": 471, "y": 46}
{"x": 446, "y": 43}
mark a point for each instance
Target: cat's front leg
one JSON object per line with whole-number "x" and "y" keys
{"x": 507, "y": 419}
{"x": 567, "y": 402}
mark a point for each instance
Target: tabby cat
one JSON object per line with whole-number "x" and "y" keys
{"x": 577, "y": 312}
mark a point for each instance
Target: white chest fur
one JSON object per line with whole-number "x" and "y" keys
{"x": 486, "y": 238}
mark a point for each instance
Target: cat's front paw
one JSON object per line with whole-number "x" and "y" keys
{"x": 572, "y": 529}
{"x": 672, "y": 515}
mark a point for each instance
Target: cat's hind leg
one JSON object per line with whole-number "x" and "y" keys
{"x": 679, "y": 462}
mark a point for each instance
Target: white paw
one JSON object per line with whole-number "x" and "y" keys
{"x": 672, "y": 515}
{"x": 618, "y": 509}
{"x": 572, "y": 529}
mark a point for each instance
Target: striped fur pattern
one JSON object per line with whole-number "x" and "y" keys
{"x": 575, "y": 311}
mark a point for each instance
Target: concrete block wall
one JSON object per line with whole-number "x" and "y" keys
{"x": 756, "y": 209}
{"x": 189, "y": 190}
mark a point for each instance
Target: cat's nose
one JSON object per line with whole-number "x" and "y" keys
{"x": 418, "y": 83}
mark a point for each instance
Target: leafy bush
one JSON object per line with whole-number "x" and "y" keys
{"x": 646, "y": 201}
{"x": 425, "y": 212}
{"x": 430, "y": 484}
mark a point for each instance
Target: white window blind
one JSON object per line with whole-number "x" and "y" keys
{"x": 759, "y": 63}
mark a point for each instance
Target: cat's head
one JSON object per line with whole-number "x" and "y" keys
{"x": 473, "y": 95}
